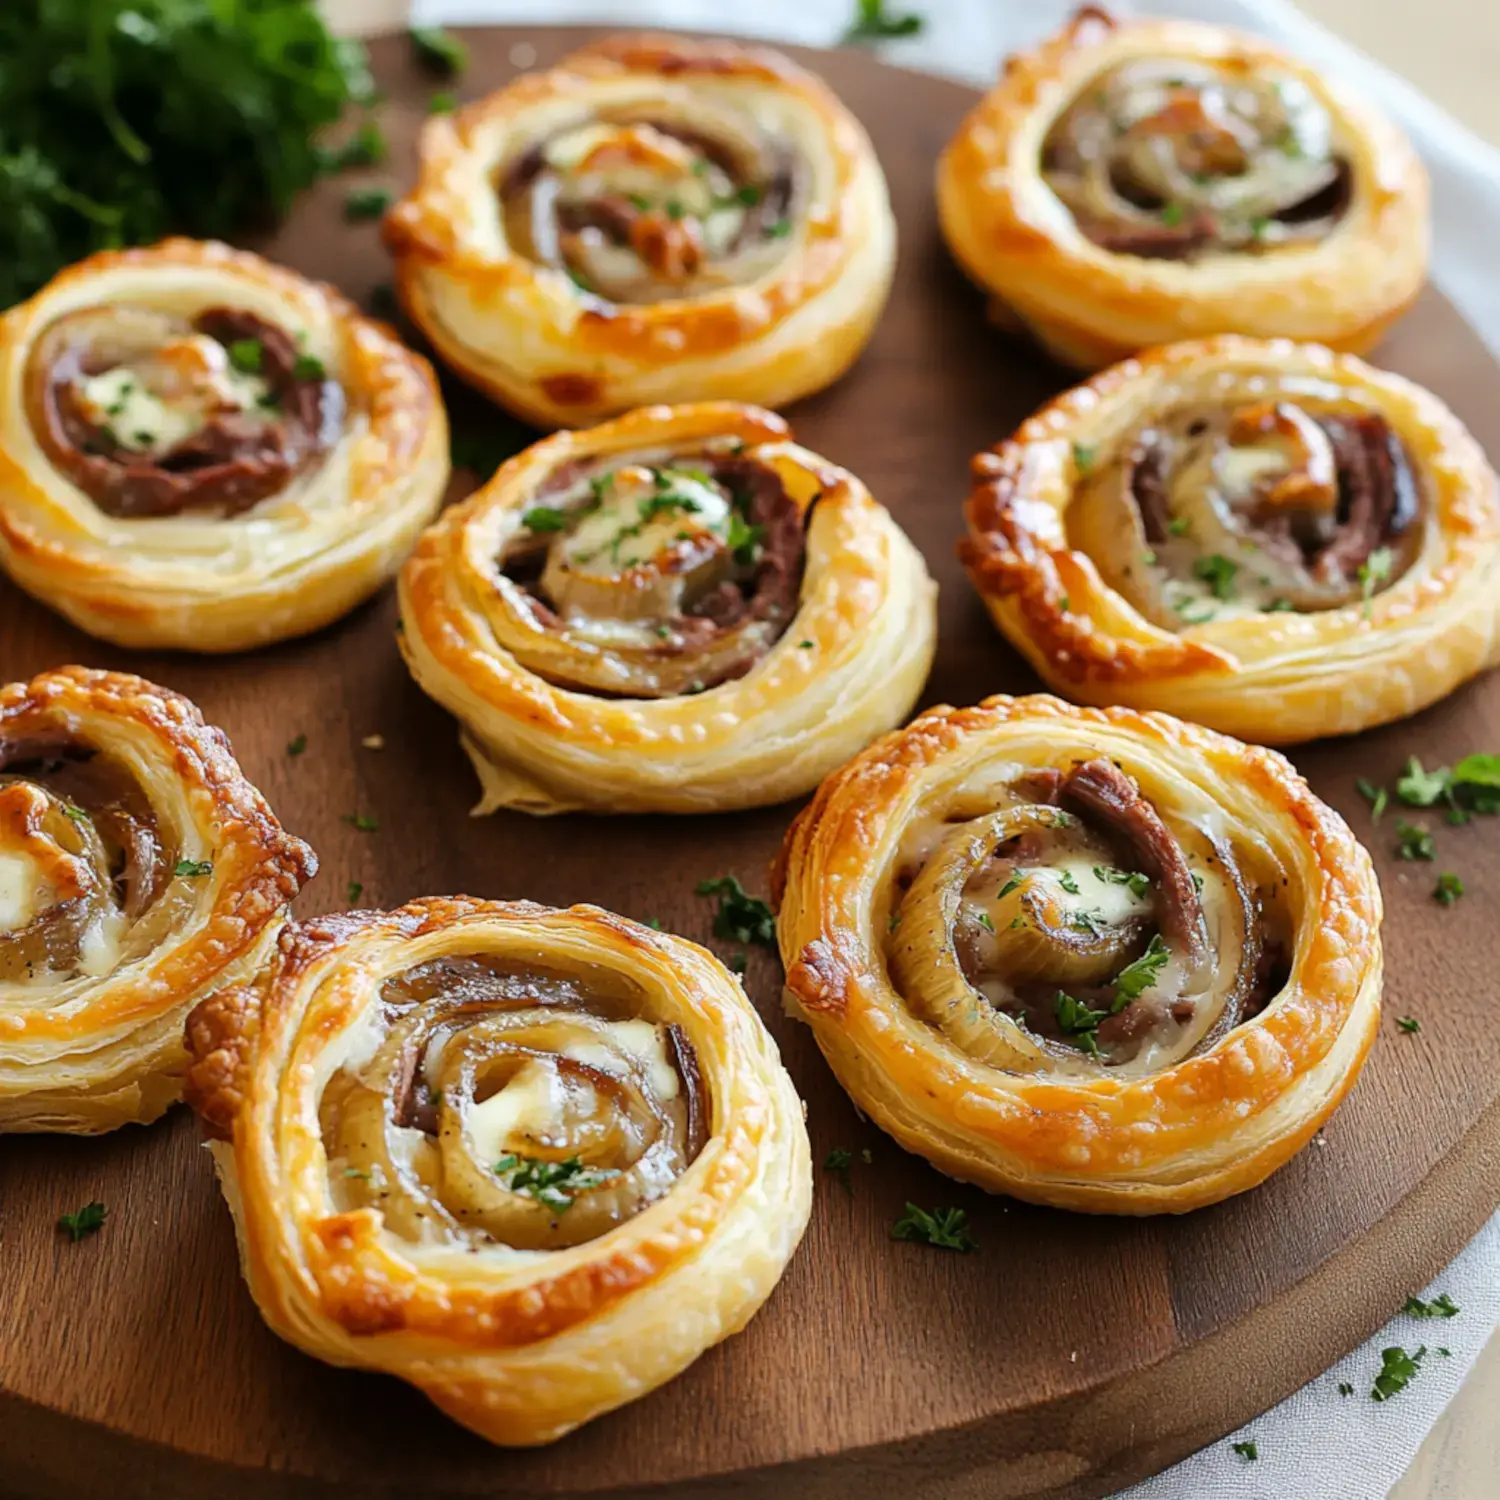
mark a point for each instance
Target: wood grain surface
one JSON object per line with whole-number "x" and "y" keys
{"x": 1067, "y": 1356}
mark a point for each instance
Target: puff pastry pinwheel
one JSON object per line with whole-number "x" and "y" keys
{"x": 534, "y": 1162}
{"x": 1088, "y": 957}
{"x": 678, "y": 611}
{"x": 655, "y": 219}
{"x": 1267, "y": 538}
{"x": 201, "y": 451}
{"x": 139, "y": 872}
{"x": 1134, "y": 182}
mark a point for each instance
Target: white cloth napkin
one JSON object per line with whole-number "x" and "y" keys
{"x": 1316, "y": 1445}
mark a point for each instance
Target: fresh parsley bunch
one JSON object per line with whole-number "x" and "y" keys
{"x": 124, "y": 120}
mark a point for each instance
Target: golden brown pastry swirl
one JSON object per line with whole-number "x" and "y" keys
{"x": 138, "y": 872}
{"x": 1094, "y": 958}
{"x": 677, "y": 611}
{"x": 1265, "y": 537}
{"x": 532, "y": 1161}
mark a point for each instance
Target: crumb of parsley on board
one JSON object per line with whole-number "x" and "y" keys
{"x": 124, "y": 120}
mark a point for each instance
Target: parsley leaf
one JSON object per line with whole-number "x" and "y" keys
{"x": 442, "y": 103}
{"x": 873, "y": 23}
{"x": 365, "y": 148}
{"x": 1078, "y": 1022}
{"x": 1397, "y": 1368}
{"x": 1376, "y": 796}
{"x": 1345, "y": 1389}
{"x": 838, "y": 1162}
{"x": 744, "y": 539}
{"x": 438, "y": 50}
{"x": 1419, "y": 788}
{"x": 542, "y": 518}
{"x": 353, "y": 892}
{"x": 88, "y": 1220}
{"x": 1415, "y": 842}
{"x": 1372, "y": 572}
{"x": 367, "y": 203}
{"x": 1068, "y": 882}
{"x": 1083, "y": 456}
{"x": 246, "y": 355}
{"x": 741, "y": 917}
{"x": 554, "y": 1183}
{"x": 364, "y": 822}
{"x": 1138, "y": 977}
{"x": 192, "y": 869}
{"x": 943, "y": 1227}
{"x": 1441, "y": 1306}
{"x": 1172, "y": 215}
{"x": 1247, "y": 1450}
{"x": 1448, "y": 889}
{"x": 1139, "y": 884}
{"x": 1409, "y": 1024}
{"x": 1218, "y": 573}
{"x": 309, "y": 367}
{"x": 297, "y": 746}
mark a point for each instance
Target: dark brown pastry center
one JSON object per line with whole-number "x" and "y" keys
{"x": 1176, "y": 158}
{"x": 152, "y": 415}
{"x": 642, "y": 210}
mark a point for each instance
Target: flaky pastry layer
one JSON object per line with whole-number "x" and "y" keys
{"x": 520, "y": 1346}
{"x": 1212, "y": 1123}
{"x": 295, "y": 561}
{"x": 850, "y": 663}
{"x": 556, "y": 352}
{"x": 1088, "y": 305}
{"x": 101, "y": 1047}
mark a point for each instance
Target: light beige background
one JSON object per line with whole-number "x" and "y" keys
{"x": 1451, "y": 50}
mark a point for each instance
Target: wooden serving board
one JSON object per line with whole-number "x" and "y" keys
{"x": 1067, "y": 1356}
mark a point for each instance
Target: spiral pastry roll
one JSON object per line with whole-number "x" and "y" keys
{"x": 655, "y": 219}
{"x": 678, "y": 611}
{"x": 1131, "y": 183}
{"x": 201, "y": 451}
{"x": 139, "y": 872}
{"x": 534, "y": 1162}
{"x": 1267, "y": 538}
{"x": 1092, "y": 958}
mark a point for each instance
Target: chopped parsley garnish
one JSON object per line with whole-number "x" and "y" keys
{"x": 1409, "y": 1024}
{"x": 1397, "y": 1368}
{"x": 544, "y": 518}
{"x": 1139, "y": 884}
{"x": 308, "y": 367}
{"x": 1083, "y": 456}
{"x": 1258, "y": 228}
{"x": 1218, "y": 573}
{"x": 358, "y": 1173}
{"x": 246, "y": 356}
{"x": 1419, "y": 788}
{"x": 1372, "y": 572}
{"x": 438, "y": 50}
{"x": 442, "y": 103}
{"x": 365, "y": 148}
{"x": 1247, "y": 1450}
{"x": 579, "y": 280}
{"x": 779, "y": 230}
{"x": 1010, "y": 885}
{"x": 354, "y": 891}
{"x": 804, "y": 645}
{"x": 1345, "y": 1389}
{"x": 744, "y": 539}
{"x": 1069, "y": 883}
{"x": 1448, "y": 889}
{"x": 364, "y": 822}
{"x": 1078, "y": 1022}
{"x": 1441, "y": 1306}
{"x": 984, "y": 921}
{"x": 193, "y": 869}
{"x": 943, "y": 1227}
{"x": 367, "y": 203}
{"x": 1138, "y": 977}
{"x": 1172, "y": 215}
{"x": 1376, "y": 796}
{"x": 555, "y": 1183}
{"x": 874, "y": 23}
{"x": 739, "y": 962}
{"x": 741, "y": 917}
{"x": 838, "y": 1162}
{"x": 88, "y": 1220}
{"x": 77, "y": 814}
{"x": 1415, "y": 842}
{"x": 1195, "y": 611}
{"x": 297, "y": 746}
{"x": 1178, "y": 526}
